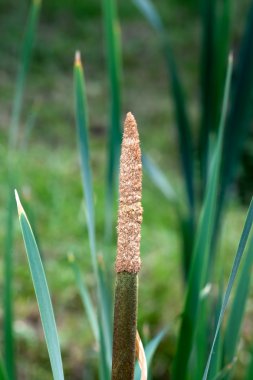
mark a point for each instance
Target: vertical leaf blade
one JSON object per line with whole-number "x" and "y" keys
{"x": 238, "y": 307}
{"x": 112, "y": 32}
{"x": 86, "y": 299}
{"x": 183, "y": 125}
{"x": 83, "y": 140}
{"x": 237, "y": 260}
{"x": 240, "y": 115}
{"x": 42, "y": 294}
{"x": 201, "y": 251}
{"x": 25, "y": 61}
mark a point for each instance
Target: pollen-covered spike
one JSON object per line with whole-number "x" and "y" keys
{"x": 130, "y": 209}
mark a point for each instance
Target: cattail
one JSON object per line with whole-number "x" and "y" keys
{"x": 128, "y": 261}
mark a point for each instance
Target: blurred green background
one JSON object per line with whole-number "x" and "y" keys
{"x": 49, "y": 171}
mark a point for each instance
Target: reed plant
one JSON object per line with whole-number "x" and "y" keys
{"x": 197, "y": 356}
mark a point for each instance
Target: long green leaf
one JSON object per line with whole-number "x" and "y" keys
{"x": 85, "y": 296}
{"x": 3, "y": 375}
{"x": 199, "y": 266}
{"x": 25, "y": 61}
{"x": 238, "y": 307}
{"x": 238, "y": 257}
{"x": 217, "y": 352}
{"x": 42, "y": 294}
{"x": 207, "y": 77}
{"x": 240, "y": 116}
{"x": 222, "y": 37}
{"x": 215, "y": 49}
{"x": 113, "y": 51}
{"x": 183, "y": 124}
{"x": 249, "y": 375}
{"x": 82, "y": 132}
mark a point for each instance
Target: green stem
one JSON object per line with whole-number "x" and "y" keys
{"x": 125, "y": 320}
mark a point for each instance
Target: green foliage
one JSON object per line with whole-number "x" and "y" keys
{"x": 238, "y": 308}
{"x": 23, "y": 70}
{"x": 2, "y": 370}
{"x": 42, "y": 294}
{"x": 24, "y": 64}
{"x": 105, "y": 316}
{"x": 112, "y": 32}
{"x": 199, "y": 268}
{"x": 238, "y": 257}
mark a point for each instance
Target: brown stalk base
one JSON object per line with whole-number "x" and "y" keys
{"x": 124, "y": 334}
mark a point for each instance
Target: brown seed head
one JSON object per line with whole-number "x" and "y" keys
{"x": 130, "y": 209}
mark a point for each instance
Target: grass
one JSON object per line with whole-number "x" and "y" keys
{"x": 50, "y": 185}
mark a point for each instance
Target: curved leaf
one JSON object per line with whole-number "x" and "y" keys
{"x": 42, "y": 294}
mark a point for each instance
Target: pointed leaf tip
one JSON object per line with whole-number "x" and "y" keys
{"x": 19, "y": 205}
{"x": 78, "y": 61}
{"x": 231, "y": 58}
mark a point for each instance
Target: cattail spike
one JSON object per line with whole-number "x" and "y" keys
{"x": 130, "y": 209}
{"x": 128, "y": 253}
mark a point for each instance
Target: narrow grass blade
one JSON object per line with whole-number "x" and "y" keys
{"x": 9, "y": 349}
{"x": 85, "y": 296}
{"x": 112, "y": 33}
{"x": 42, "y": 294}
{"x": 150, "y": 350}
{"x": 199, "y": 266}
{"x": 240, "y": 116}
{"x": 222, "y": 37}
{"x": 238, "y": 307}
{"x": 82, "y": 132}
{"x": 183, "y": 124}
{"x": 25, "y": 60}
{"x": 216, "y": 363}
{"x": 3, "y": 375}
{"x": 207, "y": 84}
{"x": 238, "y": 257}
{"x": 32, "y": 119}
{"x": 104, "y": 369}
{"x": 249, "y": 375}
{"x": 158, "y": 178}
{"x": 200, "y": 345}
